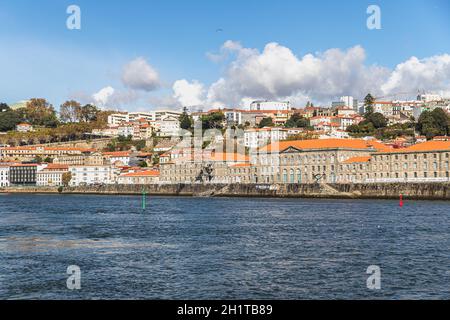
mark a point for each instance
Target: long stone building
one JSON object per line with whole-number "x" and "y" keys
{"x": 317, "y": 161}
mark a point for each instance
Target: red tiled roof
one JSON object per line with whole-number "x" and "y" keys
{"x": 325, "y": 144}
{"x": 148, "y": 173}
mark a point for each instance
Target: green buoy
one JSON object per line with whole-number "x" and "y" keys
{"x": 144, "y": 203}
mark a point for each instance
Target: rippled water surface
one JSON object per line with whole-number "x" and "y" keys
{"x": 189, "y": 248}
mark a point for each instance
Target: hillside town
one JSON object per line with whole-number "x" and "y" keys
{"x": 270, "y": 142}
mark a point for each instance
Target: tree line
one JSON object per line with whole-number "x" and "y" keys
{"x": 72, "y": 122}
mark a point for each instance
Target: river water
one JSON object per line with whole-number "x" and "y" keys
{"x": 222, "y": 248}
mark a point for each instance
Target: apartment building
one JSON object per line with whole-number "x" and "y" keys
{"x": 423, "y": 162}
{"x": 119, "y": 118}
{"x": 51, "y": 175}
{"x": 270, "y": 105}
{"x": 88, "y": 175}
{"x": 4, "y": 175}
{"x": 212, "y": 168}
{"x": 139, "y": 177}
{"x": 94, "y": 159}
{"x": 255, "y": 138}
{"x": 308, "y": 161}
{"x": 23, "y": 174}
{"x": 169, "y": 126}
{"x": 31, "y": 152}
{"x": 121, "y": 158}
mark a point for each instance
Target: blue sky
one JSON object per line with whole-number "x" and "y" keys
{"x": 40, "y": 57}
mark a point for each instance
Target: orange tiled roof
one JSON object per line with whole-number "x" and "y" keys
{"x": 241, "y": 165}
{"x": 427, "y": 146}
{"x": 148, "y": 173}
{"x": 117, "y": 154}
{"x": 54, "y": 166}
{"x": 326, "y": 144}
{"x": 233, "y": 157}
{"x": 358, "y": 159}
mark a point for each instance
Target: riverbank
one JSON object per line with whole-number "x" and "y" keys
{"x": 414, "y": 191}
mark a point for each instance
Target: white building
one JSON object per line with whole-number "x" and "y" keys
{"x": 47, "y": 178}
{"x": 88, "y": 175}
{"x": 118, "y": 118}
{"x": 125, "y": 130}
{"x": 233, "y": 117}
{"x": 24, "y": 127}
{"x": 254, "y": 138}
{"x": 429, "y": 97}
{"x": 270, "y": 105}
{"x": 4, "y": 175}
{"x": 169, "y": 126}
{"x": 119, "y": 157}
{"x": 350, "y": 102}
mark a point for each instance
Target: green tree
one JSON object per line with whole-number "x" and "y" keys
{"x": 66, "y": 177}
{"x": 70, "y": 111}
{"x": 186, "y": 121}
{"x": 378, "y": 120}
{"x": 41, "y": 113}
{"x": 9, "y": 120}
{"x": 88, "y": 113}
{"x": 213, "y": 121}
{"x": 266, "y": 122}
{"x": 442, "y": 121}
{"x": 369, "y": 103}
{"x": 297, "y": 121}
{"x": 432, "y": 124}
{"x": 4, "y": 107}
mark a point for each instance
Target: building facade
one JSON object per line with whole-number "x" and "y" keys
{"x": 89, "y": 175}
{"x": 23, "y": 174}
{"x": 4, "y": 175}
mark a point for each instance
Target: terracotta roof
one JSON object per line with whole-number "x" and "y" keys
{"x": 148, "y": 173}
{"x": 358, "y": 159}
{"x": 229, "y": 157}
{"x": 427, "y": 146}
{"x": 117, "y": 154}
{"x": 240, "y": 165}
{"x": 53, "y": 166}
{"x": 24, "y": 165}
{"x": 326, "y": 144}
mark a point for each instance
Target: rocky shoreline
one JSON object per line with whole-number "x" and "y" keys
{"x": 414, "y": 191}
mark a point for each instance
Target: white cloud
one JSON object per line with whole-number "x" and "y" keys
{"x": 429, "y": 74}
{"x": 277, "y": 73}
{"x": 110, "y": 97}
{"x": 189, "y": 94}
{"x": 102, "y": 97}
{"x": 140, "y": 75}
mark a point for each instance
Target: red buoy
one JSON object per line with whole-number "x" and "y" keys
{"x": 401, "y": 201}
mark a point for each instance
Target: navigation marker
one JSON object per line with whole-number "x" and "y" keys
{"x": 144, "y": 203}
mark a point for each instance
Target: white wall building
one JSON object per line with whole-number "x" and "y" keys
{"x": 254, "y": 138}
{"x": 125, "y": 130}
{"x": 118, "y": 118}
{"x": 88, "y": 175}
{"x": 270, "y": 105}
{"x": 169, "y": 126}
{"x": 4, "y": 176}
{"x": 429, "y": 97}
{"x": 47, "y": 178}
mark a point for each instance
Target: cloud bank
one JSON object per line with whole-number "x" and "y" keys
{"x": 140, "y": 75}
{"x": 277, "y": 73}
